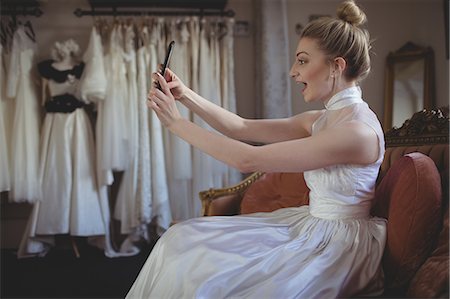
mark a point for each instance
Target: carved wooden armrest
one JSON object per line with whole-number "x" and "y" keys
{"x": 226, "y": 201}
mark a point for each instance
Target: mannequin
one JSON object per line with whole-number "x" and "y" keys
{"x": 60, "y": 77}
{"x": 72, "y": 201}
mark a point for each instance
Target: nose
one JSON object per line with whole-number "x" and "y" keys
{"x": 293, "y": 72}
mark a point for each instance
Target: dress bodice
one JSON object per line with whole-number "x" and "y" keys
{"x": 63, "y": 86}
{"x": 345, "y": 190}
{"x": 61, "y": 81}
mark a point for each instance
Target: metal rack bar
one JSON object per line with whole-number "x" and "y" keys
{"x": 115, "y": 12}
{"x": 25, "y": 11}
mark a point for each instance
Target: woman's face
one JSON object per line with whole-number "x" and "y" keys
{"x": 312, "y": 69}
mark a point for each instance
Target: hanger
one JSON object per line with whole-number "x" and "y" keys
{"x": 3, "y": 34}
{"x": 222, "y": 29}
{"x": 30, "y": 32}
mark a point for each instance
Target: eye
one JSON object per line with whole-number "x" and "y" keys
{"x": 301, "y": 61}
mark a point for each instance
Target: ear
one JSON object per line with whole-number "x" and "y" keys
{"x": 339, "y": 64}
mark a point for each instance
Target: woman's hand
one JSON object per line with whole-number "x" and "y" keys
{"x": 176, "y": 86}
{"x": 163, "y": 101}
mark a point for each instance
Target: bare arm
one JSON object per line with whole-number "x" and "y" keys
{"x": 350, "y": 143}
{"x": 234, "y": 126}
{"x": 255, "y": 130}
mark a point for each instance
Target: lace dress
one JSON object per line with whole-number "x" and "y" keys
{"x": 331, "y": 248}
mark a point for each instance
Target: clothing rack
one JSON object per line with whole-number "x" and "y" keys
{"x": 20, "y": 8}
{"x": 36, "y": 12}
{"x": 114, "y": 12}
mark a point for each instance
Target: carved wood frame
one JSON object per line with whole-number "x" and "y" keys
{"x": 409, "y": 52}
{"x": 429, "y": 126}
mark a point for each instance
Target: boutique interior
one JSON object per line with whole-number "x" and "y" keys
{"x": 87, "y": 191}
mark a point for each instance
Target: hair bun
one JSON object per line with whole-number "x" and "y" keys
{"x": 349, "y": 12}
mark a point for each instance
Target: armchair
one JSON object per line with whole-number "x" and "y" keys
{"x": 412, "y": 193}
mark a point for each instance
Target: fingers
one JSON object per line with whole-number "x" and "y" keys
{"x": 169, "y": 75}
{"x": 163, "y": 83}
{"x": 157, "y": 98}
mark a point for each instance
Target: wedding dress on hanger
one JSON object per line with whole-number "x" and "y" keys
{"x": 21, "y": 88}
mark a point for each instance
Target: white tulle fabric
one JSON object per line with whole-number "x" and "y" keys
{"x": 5, "y": 184}
{"x": 126, "y": 205}
{"x": 25, "y": 132}
{"x": 331, "y": 248}
{"x": 178, "y": 151}
{"x": 113, "y": 123}
{"x": 93, "y": 81}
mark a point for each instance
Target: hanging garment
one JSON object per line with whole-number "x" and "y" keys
{"x": 163, "y": 159}
{"x": 219, "y": 169}
{"x": 24, "y": 167}
{"x": 160, "y": 207}
{"x": 144, "y": 190}
{"x": 204, "y": 166}
{"x": 93, "y": 80}
{"x": 329, "y": 249}
{"x": 227, "y": 87}
{"x": 126, "y": 205}
{"x": 4, "y": 151}
{"x": 112, "y": 127}
{"x": 179, "y": 152}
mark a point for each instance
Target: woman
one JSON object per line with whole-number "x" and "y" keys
{"x": 331, "y": 248}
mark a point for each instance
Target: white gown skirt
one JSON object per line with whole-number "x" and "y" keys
{"x": 284, "y": 254}
{"x": 71, "y": 198}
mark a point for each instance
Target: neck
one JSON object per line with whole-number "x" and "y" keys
{"x": 340, "y": 86}
{"x": 66, "y": 63}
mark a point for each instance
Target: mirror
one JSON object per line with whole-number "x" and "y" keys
{"x": 409, "y": 85}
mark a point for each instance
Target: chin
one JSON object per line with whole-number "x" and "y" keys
{"x": 307, "y": 98}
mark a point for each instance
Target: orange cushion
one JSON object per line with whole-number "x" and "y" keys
{"x": 409, "y": 196}
{"x": 274, "y": 191}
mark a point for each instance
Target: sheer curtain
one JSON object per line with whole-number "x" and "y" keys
{"x": 273, "y": 60}
{"x": 162, "y": 173}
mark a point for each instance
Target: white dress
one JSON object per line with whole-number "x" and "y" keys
{"x": 4, "y": 164}
{"x": 72, "y": 201}
{"x": 112, "y": 126}
{"x": 331, "y": 248}
{"x": 24, "y": 143}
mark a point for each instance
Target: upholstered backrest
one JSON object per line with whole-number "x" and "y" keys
{"x": 275, "y": 191}
{"x": 410, "y": 197}
{"x": 437, "y": 152}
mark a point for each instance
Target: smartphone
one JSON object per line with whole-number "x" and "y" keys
{"x": 167, "y": 59}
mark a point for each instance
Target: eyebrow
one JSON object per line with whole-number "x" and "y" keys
{"x": 301, "y": 52}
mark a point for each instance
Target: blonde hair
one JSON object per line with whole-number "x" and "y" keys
{"x": 342, "y": 37}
